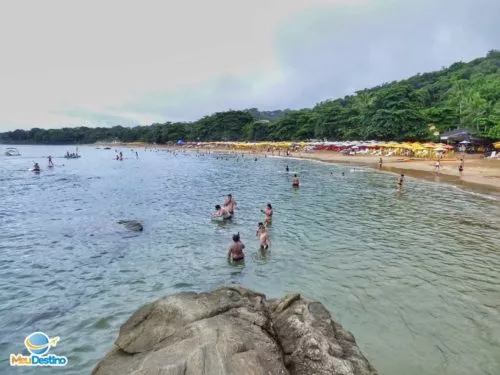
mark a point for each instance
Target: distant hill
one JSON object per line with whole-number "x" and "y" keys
{"x": 463, "y": 95}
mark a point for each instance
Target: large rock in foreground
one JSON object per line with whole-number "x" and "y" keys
{"x": 233, "y": 330}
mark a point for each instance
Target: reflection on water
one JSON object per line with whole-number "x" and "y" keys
{"x": 414, "y": 275}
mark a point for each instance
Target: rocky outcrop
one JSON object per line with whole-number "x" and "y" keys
{"x": 132, "y": 225}
{"x": 233, "y": 330}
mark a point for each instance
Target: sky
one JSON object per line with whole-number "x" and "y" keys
{"x": 105, "y": 63}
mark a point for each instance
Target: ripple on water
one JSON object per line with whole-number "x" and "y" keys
{"x": 407, "y": 273}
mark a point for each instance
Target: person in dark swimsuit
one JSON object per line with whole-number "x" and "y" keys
{"x": 263, "y": 237}
{"x": 222, "y": 212}
{"x": 230, "y": 203}
{"x": 269, "y": 214}
{"x": 399, "y": 183}
{"x": 235, "y": 253}
{"x": 287, "y": 169}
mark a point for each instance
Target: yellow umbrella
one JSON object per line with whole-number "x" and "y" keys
{"x": 496, "y": 145}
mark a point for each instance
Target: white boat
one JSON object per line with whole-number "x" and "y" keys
{"x": 12, "y": 151}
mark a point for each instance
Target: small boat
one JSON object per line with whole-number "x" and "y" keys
{"x": 72, "y": 155}
{"x": 12, "y": 151}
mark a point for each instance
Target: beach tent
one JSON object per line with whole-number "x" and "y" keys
{"x": 456, "y": 135}
{"x": 181, "y": 142}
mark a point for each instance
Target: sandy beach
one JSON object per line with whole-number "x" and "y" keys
{"x": 479, "y": 173}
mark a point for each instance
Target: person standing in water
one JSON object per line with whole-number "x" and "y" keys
{"x": 295, "y": 181}
{"x": 50, "y": 161}
{"x": 380, "y": 163}
{"x": 235, "y": 253}
{"x": 36, "y": 167}
{"x": 222, "y": 212}
{"x": 230, "y": 203}
{"x": 121, "y": 156}
{"x": 399, "y": 182}
{"x": 288, "y": 170}
{"x": 269, "y": 214}
{"x": 136, "y": 155}
{"x": 461, "y": 166}
{"x": 265, "y": 242}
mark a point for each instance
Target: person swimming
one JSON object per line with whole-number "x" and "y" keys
{"x": 222, "y": 212}
{"x": 269, "y": 214}
{"x": 295, "y": 181}
{"x": 235, "y": 253}
{"x": 36, "y": 167}
{"x": 265, "y": 242}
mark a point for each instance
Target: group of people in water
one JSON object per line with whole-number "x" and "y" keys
{"x": 226, "y": 211}
{"x": 36, "y": 166}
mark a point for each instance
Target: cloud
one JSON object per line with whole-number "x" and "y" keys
{"x": 103, "y": 63}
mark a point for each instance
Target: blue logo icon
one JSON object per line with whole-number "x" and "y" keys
{"x": 38, "y": 343}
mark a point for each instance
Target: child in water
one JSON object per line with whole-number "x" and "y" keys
{"x": 235, "y": 253}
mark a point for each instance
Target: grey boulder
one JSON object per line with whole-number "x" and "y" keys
{"x": 132, "y": 225}
{"x": 233, "y": 330}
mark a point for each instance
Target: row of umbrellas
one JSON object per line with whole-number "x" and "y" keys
{"x": 412, "y": 146}
{"x": 341, "y": 145}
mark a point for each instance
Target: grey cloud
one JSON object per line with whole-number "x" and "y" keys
{"x": 341, "y": 52}
{"x": 333, "y": 51}
{"x": 97, "y": 119}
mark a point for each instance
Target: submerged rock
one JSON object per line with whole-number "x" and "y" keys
{"x": 233, "y": 330}
{"x": 132, "y": 225}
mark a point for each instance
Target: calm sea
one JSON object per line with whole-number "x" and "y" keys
{"x": 415, "y": 276}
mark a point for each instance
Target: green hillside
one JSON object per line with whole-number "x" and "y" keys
{"x": 464, "y": 95}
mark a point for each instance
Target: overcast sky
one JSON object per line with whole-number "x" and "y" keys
{"x": 103, "y": 63}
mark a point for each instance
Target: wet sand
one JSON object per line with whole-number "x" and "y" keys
{"x": 479, "y": 174}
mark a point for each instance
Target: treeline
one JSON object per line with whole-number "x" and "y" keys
{"x": 464, "y": 95}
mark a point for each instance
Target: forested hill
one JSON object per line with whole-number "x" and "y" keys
{"x": 464, "y": 95}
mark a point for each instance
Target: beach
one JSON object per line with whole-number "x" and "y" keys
{"x": 479, "y": 173}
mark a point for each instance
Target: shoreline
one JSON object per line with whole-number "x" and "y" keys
{"x": 480, "y": 175}
{"x": 424, "y": 170}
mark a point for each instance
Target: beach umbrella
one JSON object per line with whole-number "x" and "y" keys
{"x": 440, "y": 149}
{"x": 496, "y": 145}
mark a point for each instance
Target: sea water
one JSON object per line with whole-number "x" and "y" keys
{"x": 414, "y": 275}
